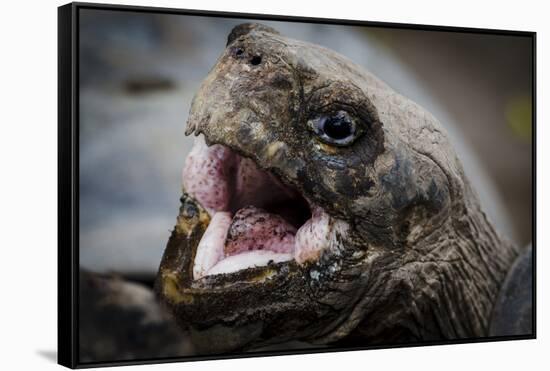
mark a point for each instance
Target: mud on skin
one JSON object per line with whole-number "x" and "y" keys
{"x": 320, "y": 205}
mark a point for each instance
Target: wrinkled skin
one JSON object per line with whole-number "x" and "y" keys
{"x": 412, "y": 256}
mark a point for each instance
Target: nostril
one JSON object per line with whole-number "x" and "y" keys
{"x": 256, "y": 60}
{"x": 238, "y": 53}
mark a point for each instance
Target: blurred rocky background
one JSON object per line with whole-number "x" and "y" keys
{"x": 138, "y": 74}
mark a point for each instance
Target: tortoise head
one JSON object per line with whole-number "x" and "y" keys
{"x": 310, "y": 186}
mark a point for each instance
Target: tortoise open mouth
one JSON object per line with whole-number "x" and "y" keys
{"x": 256, "y": 219}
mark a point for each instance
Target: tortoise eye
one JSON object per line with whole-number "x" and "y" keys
{"x": 337, "y": 129}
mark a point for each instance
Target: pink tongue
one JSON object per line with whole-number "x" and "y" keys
{"x": 256, "y": 229}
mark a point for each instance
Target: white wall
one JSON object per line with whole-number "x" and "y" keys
{"x": 28, "y": 191}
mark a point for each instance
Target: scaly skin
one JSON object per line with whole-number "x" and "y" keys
{"x": 412, "y": 256}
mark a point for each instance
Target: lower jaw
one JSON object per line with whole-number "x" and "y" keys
{"x": 269, "y": 297}
{"x": 277, "y": 296}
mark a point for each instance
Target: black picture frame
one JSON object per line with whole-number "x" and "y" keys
{"x": 68, "y": 176}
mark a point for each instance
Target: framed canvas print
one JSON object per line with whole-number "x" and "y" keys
{"x": 237, "y": 185}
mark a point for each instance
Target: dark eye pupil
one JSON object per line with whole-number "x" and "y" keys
{"x": 338, "y": 127}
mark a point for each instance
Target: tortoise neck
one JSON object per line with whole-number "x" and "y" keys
{"x": 445, "y": 287}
